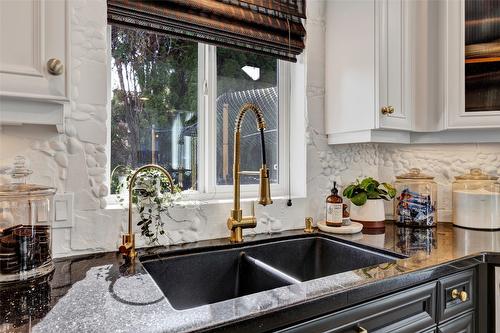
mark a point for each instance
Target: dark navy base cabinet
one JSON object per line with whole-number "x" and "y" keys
{"x": 462, "y": 324}
{"x": 432, "y": 307}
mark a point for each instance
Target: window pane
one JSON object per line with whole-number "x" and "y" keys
{"x": 154, "y": 103}
{"x": 244, "y": 77}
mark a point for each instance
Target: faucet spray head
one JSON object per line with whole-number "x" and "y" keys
{"x": 264, "y": 187}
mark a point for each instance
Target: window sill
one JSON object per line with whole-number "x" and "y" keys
{"x": 190, "y": 202}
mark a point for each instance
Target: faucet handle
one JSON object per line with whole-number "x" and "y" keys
{"x": 309, "y": 225}
{"x": 128, "y": 246}
{"x": 264, "y": 187}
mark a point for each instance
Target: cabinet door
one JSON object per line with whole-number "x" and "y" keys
{"x": 31, "y": 33}
{"x": 393, "y": 111}
{"x": 409, "y": 311}
{"x": 473, "y": 65}
{"x": 349, "y": 66}
{"x": 462, "y": 324}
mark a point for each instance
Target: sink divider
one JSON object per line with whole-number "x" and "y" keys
{"x": 269, "y": 269}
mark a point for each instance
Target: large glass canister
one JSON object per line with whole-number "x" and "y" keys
{"x": 25, "y": 231}
{"x": 416, "y": 199}
{"x": 476, "y": 200}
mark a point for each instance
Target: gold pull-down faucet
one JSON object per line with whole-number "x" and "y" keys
{"x": 236, "y": 221}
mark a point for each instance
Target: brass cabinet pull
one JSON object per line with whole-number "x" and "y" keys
{"x": 387, "y": 110}
{"x": 55, "y": 66}
{"x": 360, "y": 329}
{"x": 462, "y": 295}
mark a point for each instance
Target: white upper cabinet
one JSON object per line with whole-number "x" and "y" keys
{"x": 412, "y": 71}
{"x": 365, "y": 70}
{"x": 34, "y": 54}
{"x": 31, "y": 33}
{"x": 473, "y": 64}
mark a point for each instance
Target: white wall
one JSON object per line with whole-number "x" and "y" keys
{"x": 76, "y": 162}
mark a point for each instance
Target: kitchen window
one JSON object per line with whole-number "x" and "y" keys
{"x": 174, "y": 102}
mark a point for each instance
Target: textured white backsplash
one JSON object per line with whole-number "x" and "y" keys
{"x": 347, "y": 162}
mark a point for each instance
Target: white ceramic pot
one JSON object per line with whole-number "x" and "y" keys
{"x": 371, "y": 211}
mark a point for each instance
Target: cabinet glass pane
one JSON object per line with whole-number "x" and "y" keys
{"x": 482, "y": 55}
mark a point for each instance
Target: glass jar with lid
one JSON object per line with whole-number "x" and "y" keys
{"x": 476, "y": 200}
{"x": 416, "y": 199}
{"x": 25, "y": 228}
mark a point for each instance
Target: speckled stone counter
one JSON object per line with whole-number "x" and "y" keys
{"x": 97, "y": 293}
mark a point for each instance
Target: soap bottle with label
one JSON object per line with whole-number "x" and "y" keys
{"x": 334, "y": 208}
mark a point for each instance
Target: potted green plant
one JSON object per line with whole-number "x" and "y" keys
{"x": 367, "y": 197}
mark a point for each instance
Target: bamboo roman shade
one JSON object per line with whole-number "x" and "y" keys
{"x": 271, "y": 27}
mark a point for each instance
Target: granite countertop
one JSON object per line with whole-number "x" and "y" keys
{"x": 98, "y": 293}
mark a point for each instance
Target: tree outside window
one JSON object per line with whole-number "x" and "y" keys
{"x": 154, "y": 103}
{"x": 154, "y": 106}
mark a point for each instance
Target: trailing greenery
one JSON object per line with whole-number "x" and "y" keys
{"x": 358, "y": 192}
{"x": 152, "y": 195}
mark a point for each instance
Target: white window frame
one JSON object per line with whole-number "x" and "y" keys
{"x": 207, "y": 132}
{"x": 210, "y": 139}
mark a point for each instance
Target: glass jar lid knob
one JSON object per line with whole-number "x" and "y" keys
{"x": 20, "y": 172}
{"x": 414, "y": 173}
{"x": 476, "y": 174}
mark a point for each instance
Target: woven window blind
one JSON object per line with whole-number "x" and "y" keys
{"x": 271, "y": 27}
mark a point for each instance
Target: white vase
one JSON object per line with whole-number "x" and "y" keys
{"x": 371, "y": 211}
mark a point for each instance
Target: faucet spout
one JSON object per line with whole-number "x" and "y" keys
{"x": 236, "y": 222}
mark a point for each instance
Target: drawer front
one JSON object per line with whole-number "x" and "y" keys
{"x": 432, "y": 330}
{"x": 456, "y": 295}
{"x": 462, "y": 324}
{"x": 409, "y": 311}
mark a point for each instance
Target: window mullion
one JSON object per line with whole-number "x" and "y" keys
{"x": 201, "y": 118}
{"x": 210, "y": 123}
{"x": 284, "y": 86}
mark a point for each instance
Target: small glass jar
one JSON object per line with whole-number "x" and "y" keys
{"x": 25, "y": 231}
{"x": 416, "y": 199}
{"x": 476, "y": 200}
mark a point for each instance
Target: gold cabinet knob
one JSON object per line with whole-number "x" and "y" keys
{"x": 360, "y": 329}
{"x": 55, "y": 66}
{"x": 462, "y": 295}
{"x": 387, "y": 110}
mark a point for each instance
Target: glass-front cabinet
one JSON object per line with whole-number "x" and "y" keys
{"x": 473, "y": 63}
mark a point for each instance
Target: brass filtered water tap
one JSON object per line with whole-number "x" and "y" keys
{"x": 128, "y": 240}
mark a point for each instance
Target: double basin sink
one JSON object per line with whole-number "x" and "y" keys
{"x": 190, "y": 278}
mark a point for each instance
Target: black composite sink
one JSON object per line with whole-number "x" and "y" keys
{"x": 198, "y": 277}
